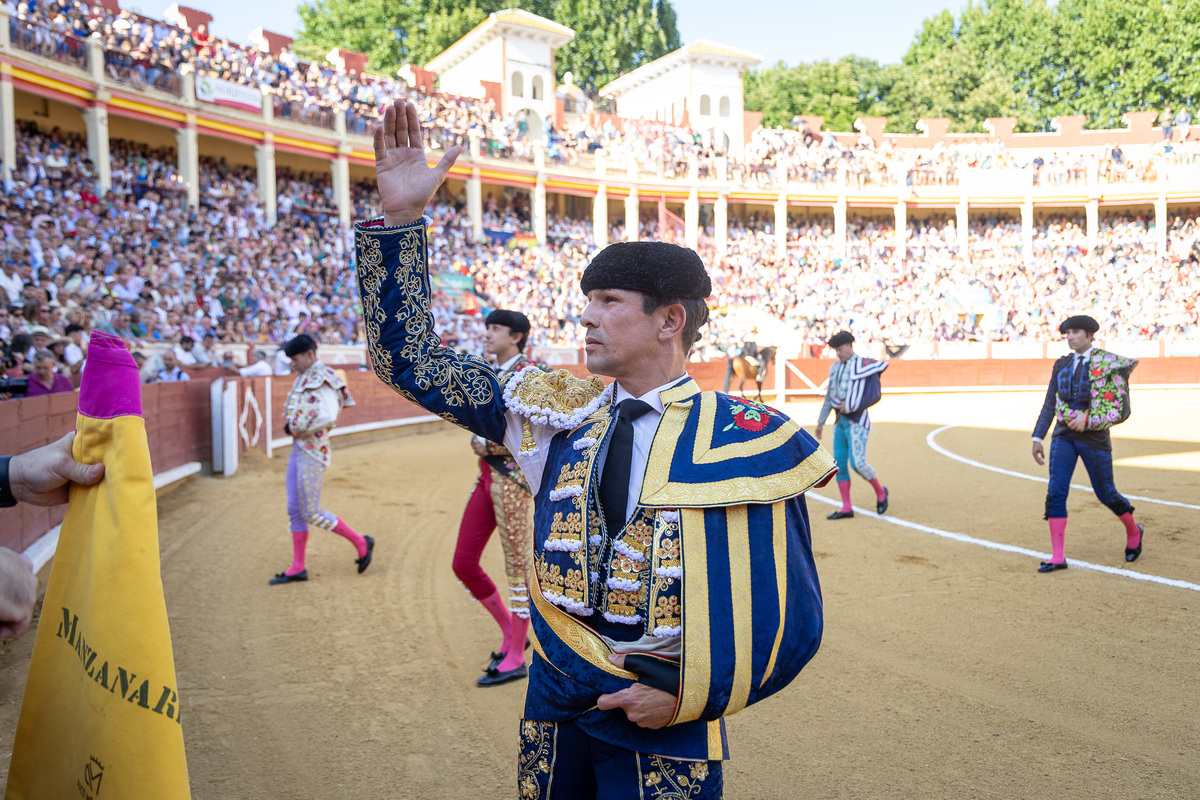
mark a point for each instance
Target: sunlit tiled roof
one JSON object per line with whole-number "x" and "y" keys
{"x": 702, "y": 49}
{"x": 485, "y": 31}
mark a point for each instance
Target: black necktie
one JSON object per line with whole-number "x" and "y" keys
{"x": 1075, "y": 375}
{"x": 614, "y": 482}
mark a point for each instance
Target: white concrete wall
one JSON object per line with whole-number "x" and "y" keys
{"x": 532, "y": 59}
{"x": 718, "y": 82}
{"x": 654, "y": 99}
{"x": 482, "y": 65}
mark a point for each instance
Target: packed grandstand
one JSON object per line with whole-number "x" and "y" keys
{"x": 136, "y": 258}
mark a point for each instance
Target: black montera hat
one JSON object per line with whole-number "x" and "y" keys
{"x": 515, "y": 321}
{"x": 299, "y": 344}
{"x": 1080, "y": 322}
{"x": 840, "y": 338}
{"x": 656, "y": 268}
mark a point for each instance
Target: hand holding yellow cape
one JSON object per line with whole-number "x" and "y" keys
{"x": 101, "y": 713}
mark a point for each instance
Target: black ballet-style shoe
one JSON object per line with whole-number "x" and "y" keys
{"x": 495, "y": 677}
{"x": 283, "y": 577}
{"x": 496, "y": 658}
{"x": 839, "y": 514}
{"x": 1132, "y": 553}
{"x": 881, "y": 505}
{"x": 1050, "y": 566}
{"x": 365, "y": 561}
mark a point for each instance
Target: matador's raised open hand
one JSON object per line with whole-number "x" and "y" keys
{"x": 406, "y": 182}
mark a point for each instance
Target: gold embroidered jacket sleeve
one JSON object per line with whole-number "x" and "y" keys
{"x": 406, "y": 353}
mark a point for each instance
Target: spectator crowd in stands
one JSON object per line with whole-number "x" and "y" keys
{"x": 148, "y": 52}
{"x": 137, "y": 263}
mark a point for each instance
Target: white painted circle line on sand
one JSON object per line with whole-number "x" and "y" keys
{"x": 1007, "y": 548}
{"x": 931, "y": 440}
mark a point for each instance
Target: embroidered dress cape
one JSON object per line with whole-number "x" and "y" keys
{"x": 855, "y": 382}
{"x": 1103, "y": 390}
{"x": 312, "y": 408}
{"x": 720, "y": 521}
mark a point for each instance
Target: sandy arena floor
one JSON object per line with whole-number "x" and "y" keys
{"x": 949, "y": 669}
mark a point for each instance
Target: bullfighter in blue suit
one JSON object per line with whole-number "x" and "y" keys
{"x": 673, "y": 581}
{"x": 1088, "y": 394}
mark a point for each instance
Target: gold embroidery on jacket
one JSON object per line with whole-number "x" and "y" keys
{"x": 549, "y": 576}
{"x": 462, "y": 380}
{"x": 573, "y": 586}
{"x": 566, "y": 528}
{"x": 666, "y": 606}
{"x": 557, "y": 392}
{"x": 572, "y": 475}
{"x": 536, "y": 761}
{"x": 669, "y": 779}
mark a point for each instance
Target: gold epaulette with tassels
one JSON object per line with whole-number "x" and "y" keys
{"x": 554, "y": 398}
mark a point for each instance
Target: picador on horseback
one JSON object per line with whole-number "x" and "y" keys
{"x": 749, "y": 361}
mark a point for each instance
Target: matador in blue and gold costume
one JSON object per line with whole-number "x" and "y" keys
{"x": 710, "y": 582}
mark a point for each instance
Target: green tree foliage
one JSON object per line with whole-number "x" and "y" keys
{"x": 841, "y": 91}
{"x": 612, "y": 36}
{"x": 1028, "y": 59}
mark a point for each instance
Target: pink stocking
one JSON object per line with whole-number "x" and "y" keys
{"x": 844, "y": 488}
{"x": 1133, "y": 537}
{"x": 503, "y": 618}
{"x": 299, "y": 542}
{"x": 342, "y": 529}
{"x": 1058, "y": 531}
{"x": 515, "y": 655}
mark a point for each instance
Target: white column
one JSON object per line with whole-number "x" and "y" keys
{"x": 781, "y": 226}
{"x": 475, "y": 204}
{"x": 631, "y": 216}
{"x": 8, "y": 114}
{"x": 187, "y": 149}
{"x": 839, "y": 225}
{"x": 960, "y": 221}
{"x": 475, "y": 186}
{"x": 721, "y": 167}
{"x": 721, "y": 224}
{"x": 341, "y": 184}
{"x": 264, "y": 157}
{"x": 691, "y": 220}
{"x": 1027, "y": 230}
{"x": 538, "y": 204}
{"x": 1093, "y": 222}
{"x": 95, "y": 61}
{"x": 96, "y": 119}
{"x": 901, "y": 211}
{"x": 189, "y": 84}
{"x": 1161, "y": 222}
{"x": 600, "y": 217}
{"x": 538, "y": 209}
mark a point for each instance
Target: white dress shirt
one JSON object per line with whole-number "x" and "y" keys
{"x": 533, "y": 464}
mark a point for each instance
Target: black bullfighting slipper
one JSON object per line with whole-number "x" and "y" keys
{"x": 365, "y": 561}
{"x": 841, "y": 515}
{"x": 1050, "y": 566}
{"x": 1132, "y": 553}
{"x": 283, "y": 577}
{"x": 495, "y": 677}
{"x": 496, "y": 658}
{"x": 881, "y": 505}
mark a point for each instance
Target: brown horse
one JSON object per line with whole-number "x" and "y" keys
{"x": 754, "y": 368}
